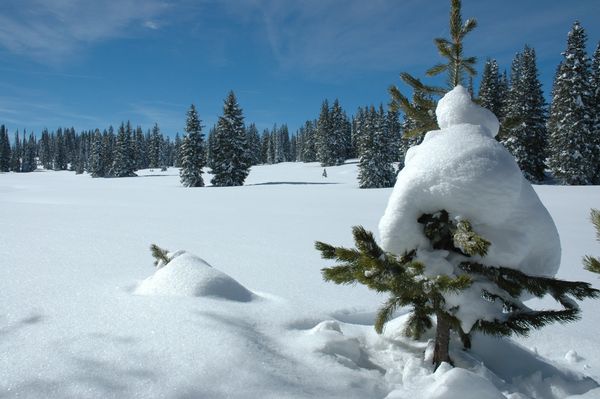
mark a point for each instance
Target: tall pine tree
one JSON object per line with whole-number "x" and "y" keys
{"x": 525, "y": 135}
{"x": 571, "y": 151}
{"x": 230, "y": 155}
{"x": 192, "y": 151}
{"x": 123, "y": 164}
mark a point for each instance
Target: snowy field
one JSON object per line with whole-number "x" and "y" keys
{"x": 76, "y": 321}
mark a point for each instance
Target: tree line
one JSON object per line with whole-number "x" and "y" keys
{"x": 562, "y": 137}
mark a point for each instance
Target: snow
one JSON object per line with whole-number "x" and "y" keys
{"x": 75, "y": 256}
{"x": 465, "y": 171}
{"x": 189, "y": 275}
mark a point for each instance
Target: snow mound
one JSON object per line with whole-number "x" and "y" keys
{"x": 465, "y": 171}
{"x": 456, "y": 108}
{"x": 189, "y": 275}
{"x": 463, "y": 384}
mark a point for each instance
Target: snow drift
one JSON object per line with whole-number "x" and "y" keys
{"x": 189, "y": 275}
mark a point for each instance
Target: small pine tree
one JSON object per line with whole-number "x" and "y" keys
{"x": 422, "y": 109}
{"x": 192, "y": 151}
{"x": 593, "y": 264}
{"x": 160, "y": 255}
{"x": 404, "y": 278}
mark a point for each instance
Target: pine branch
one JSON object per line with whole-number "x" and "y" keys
{"x": 591, "y": 264}
{"x": 160, "y": 255}
{"x": 386, "y": 312}
{"x": 515, "y": 282}
{"x": 468, "y": 241}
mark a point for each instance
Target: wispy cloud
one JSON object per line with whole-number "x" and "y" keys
{"x": 50, "y": 30}
{"x": 355, "y": 34}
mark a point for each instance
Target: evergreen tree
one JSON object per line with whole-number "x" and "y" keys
{"x": 489, "y": 94}
{"x": 96, "y": 166}
{"x": 5, "y": 151}
{"x": 422, "y": 108}
{"x": 231, "y": 163}
{"x": 254, "y": 145}
{"x": 265, "y": 142}
{"x": 29, "y": 162}
{"x": 525, "y": 136}
{"x": 60, "y": 151}
{"x": 165, "y": 153}
{"x": 309, "y": 150}
{"x": 374, "y": 167}
{"x": 571, "y": 151}
{"x": 210, "y": 148}
{"x": 339, "y": 142}
{"x": 394, "y": 134}
{"x": 177, "y": 151}
{"x": 15, "y": 154}
{"x": 140, "y": 150}
{"x": 123, "y": 164}
{"x": 403, "y": 277}
{"x": 595, "y": 112}
{"x": 192, "y": 151}
{"x": 108, "y": 144}
{"x": 330, "y": 142}
{"x": 154, "y": 147}
{"x": 46, "y": 150}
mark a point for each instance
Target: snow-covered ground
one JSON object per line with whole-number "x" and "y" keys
{"x": 77, "y": 319}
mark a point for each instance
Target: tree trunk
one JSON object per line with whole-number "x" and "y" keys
{"x": 442, "y": 340}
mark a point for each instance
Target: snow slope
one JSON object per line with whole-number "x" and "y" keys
{"x": 75, "y": 249}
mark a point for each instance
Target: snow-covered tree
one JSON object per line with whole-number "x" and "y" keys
{"x": 5, "y": 152}
{"x": 309, "y": 148}
{"x": 490, "y": 95}
{"x": 254, "y": 144}
{"x": 123, "y": 164}
{"x": 435, "y": 261}
{"x": 192, "y": 151}
{"x": 375, "y": 168}
{"x": 595, "y": 111}
{"x": 230, "y": 158}
{"x": 28, "y": 161}
{"x": 525, "y": 132}
{"x": 571, "y": 150}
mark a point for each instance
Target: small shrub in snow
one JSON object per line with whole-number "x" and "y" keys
{"x": 160, "y": 255}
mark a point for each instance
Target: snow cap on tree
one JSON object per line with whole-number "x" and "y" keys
{"x": 465, "y": 171}
{"x": 456, "y": 108}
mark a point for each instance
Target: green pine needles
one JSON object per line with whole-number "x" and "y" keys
{"x": 160, "y": 255}
{"x": 409, "y": 284}
{"x": 421, "y": 111}
{"x": 590, "y": 263}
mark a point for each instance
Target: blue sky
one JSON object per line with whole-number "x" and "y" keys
{"x": 89, "y": 64}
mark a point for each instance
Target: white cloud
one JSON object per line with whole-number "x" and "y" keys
{"x": 49, "y": 30}
{"x": 151, "y": 25}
